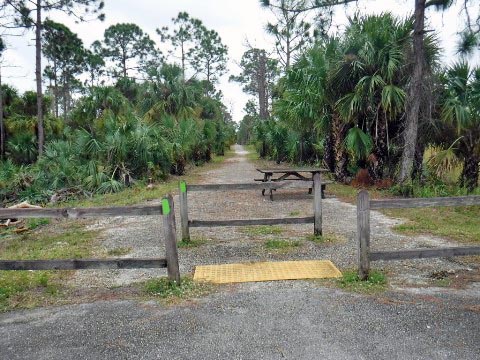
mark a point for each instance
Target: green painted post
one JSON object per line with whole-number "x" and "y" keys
{"x": 184, "y": 211}
{"x": 171, "y": 251}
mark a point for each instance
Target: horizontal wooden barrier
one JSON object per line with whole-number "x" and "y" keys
{"x": 246, "y": 222}
{"x": 171, "y": 252}
{"x": 424, "y": 253}
{"x": 425, "y": 202}
{"x": 76, "y": 264}
{"x": 364, "y": 205}
{"x": 286, "y": 184}
{"x": 316, "y": 184}
{"x": 75, "y": 213}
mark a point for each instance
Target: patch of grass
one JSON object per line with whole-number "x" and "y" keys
{"x": 27, "y": 289}
{"x": 446, "y": 282}
{"x": 325, "y": 238}
{"x": 376, "y": 282}
{"x": 294, "y": 213}
{"x": 119, "y": 251}
{"x": 458, "y": 223}
{"x": 192, "y": 243}
{"x": 164, "y": 289}
{"x": 262, "y": 230}
{"x": 35, "y": 223}
{"x": 73, "y": 241}
{"x": 281, "y": 244}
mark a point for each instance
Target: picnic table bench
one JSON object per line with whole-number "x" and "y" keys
{"x": 303, "y": 174}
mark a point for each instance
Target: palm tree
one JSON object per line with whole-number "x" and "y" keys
{"x": 376, "y": 51}
{"x": 461, "y": 110}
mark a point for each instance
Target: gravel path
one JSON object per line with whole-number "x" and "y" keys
{"x": 240, "y": 244}
{"x": 265, "y": 320}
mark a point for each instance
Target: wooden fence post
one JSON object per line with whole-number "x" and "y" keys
{"x": 317, "y": 204}
{"x": 184, "y": 210}
{"x": 363, "y": 234}
{"x": 171, "y": 251}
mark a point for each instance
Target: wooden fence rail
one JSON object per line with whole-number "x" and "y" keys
{"x": 76, "y": 264}
{"x": 364, "y": 205}
{"x": 247, "y": 222}
{"x": 285, "y": 184}
{"x": 76, "y": 213}
{"x": 166, "y": 210}
{"x": 317, "y": 205}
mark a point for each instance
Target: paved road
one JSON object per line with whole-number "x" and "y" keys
{"x": 281, "y": 320}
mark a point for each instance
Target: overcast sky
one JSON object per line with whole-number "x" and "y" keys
{"x": 235, "y": 21}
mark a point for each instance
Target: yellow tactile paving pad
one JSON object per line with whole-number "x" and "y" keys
{"x": 266, "y": 271}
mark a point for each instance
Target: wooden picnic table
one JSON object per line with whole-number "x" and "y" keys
{"x": 302, "y": 174}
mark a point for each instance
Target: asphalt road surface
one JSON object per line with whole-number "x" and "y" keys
{"x": 275, "y": 320}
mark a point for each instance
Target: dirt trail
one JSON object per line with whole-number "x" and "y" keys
{"x": 240, "y": 244}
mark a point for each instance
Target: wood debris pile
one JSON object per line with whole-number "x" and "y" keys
{"x": 17, "y": 222}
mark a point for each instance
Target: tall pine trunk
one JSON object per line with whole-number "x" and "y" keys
{"x": 338, "y": 137}
{"x": 262, "y": 86}
{"x": 418, "y": 160}
{"x": 328, "y": 153}
{"x": 377, "y": 165}
{"x": 414, "y": 95}
{"x": 2, "y": 125}
{"x": 55, "y": 82}
{"x": 38, "y": 78}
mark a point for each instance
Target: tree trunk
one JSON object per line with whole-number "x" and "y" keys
{"x": 261, "y": 85}
{"x": 328, "y": 153}
{"x": 418, "y": 161}
{"x": 65, "y": 100}
{"x": 470, "y": 172}
{"x": 376, "y": 165}
{"x": 338, "y": 137}
{"x": 183, "y": 62}
{"x": 208, "y": 73}
{"x": 55, "y": 82}
{"x": 2, "y": 125}
{"x": 414, "y": 95}
{"x": 38, "y": 78}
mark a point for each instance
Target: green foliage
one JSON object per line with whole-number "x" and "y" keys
{"x": 262, "y": 230}
{"x": 210, "y": 56}
{"x": 291, "y": 30}
{"x": 37, "y": 222}
{"x": 126, "y": 42}
{"x": 376, "y": 282}
{"x": 457, "y": 223}
{"x": 164, "y": 289}
{"x": 66, "y": 56}
{"x": 181, "y": 37}
{"x": 31, "y": 287}
{"x": 358, "y": 143}
{"x": 192, "y": 243}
